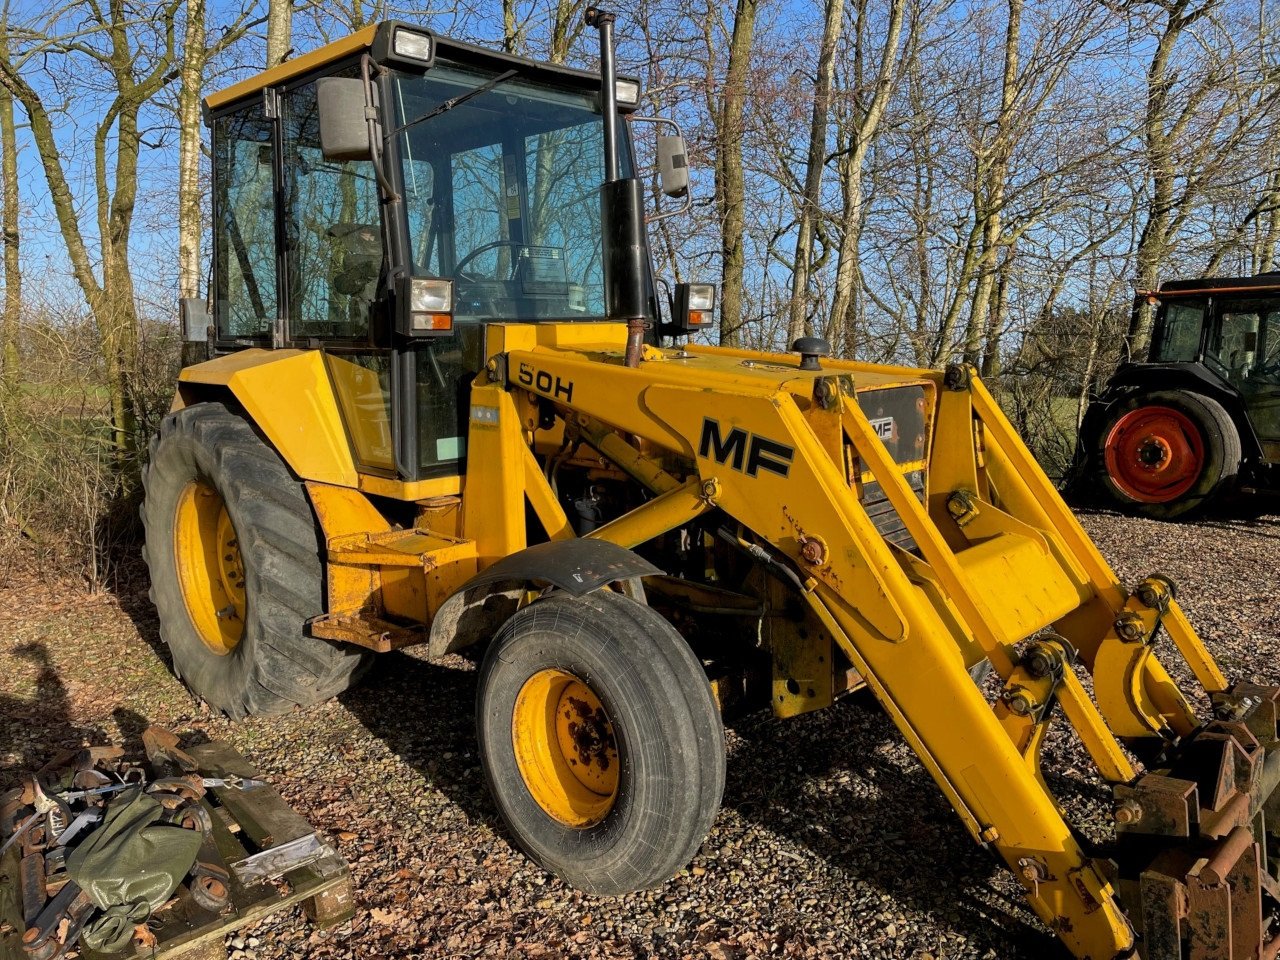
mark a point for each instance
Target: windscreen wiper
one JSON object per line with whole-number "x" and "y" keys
{"x": 460, "y": 99}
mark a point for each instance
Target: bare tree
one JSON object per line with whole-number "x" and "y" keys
{"x": 856, "y": 133}
{"x": 727, "y": 116}
{"x": 137, "y": 56}
{"x": 810, "y": 200}
{"x": 11, "y": 232}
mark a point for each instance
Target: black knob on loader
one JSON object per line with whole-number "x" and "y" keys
{"x": 811, "y": 349}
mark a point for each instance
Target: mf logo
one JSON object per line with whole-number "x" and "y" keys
{"x": 748, "y": 453}
{"x": 883, "y": 427}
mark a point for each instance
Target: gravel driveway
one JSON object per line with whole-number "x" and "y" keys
{"x": 833, "y": 842}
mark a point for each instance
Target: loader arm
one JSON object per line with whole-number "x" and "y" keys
{"x": 998, "y": 565}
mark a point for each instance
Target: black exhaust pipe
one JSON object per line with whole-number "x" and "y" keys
{"x": 621, "y": 208}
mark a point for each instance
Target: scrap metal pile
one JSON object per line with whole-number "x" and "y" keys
{"x": 106, "y": 849}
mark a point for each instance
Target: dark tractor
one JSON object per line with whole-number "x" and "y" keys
{"x": 1200, "y": 420}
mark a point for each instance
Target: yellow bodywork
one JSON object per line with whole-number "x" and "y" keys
{"x": 997, "y": 559}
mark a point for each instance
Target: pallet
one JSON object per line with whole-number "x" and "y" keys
{"x": 245, "y": 822}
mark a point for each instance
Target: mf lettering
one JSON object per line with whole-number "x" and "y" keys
{"x": 747, "y": 453}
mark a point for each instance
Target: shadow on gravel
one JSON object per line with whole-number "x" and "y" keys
{"x": 390, "y": 703}
{"x": 130, "y": 590}
{"x": 882, "y": 823}
{"x": 36, "y": 729}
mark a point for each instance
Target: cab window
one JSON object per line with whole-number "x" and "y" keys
{"x": 1242, "y": 340}
{"x": 1179, "y": 333}
{"x": 333, "y": 230}
{"x": 244, "y": 225}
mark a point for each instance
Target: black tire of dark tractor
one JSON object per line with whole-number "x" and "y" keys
{"x": 668, "y": 730}
{"x": 276, "y": 666}
{"x": 1222, "y": 451}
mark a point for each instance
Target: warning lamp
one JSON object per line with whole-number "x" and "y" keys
{"x": 425, "y": 306}
{"x": 693, "y": 309}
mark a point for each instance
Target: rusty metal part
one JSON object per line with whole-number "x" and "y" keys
{"x": 188, "y": 788}
{"x": 1206, "y": 890}
{"x": 813, "y": 550}
{"x": 210, "y": 886}
{"x": 165, "y": 753}
{"x": 41, "y": 941}
{"x": 31, "y": 882}
{"x": 957, "y": 376}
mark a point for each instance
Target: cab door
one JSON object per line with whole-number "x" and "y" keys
{"x": 1245, "y": 350}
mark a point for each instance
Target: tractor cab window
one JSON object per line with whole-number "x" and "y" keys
{"x": 1178, "y": 339}
{"x": 502, "y": 194}
{"x": 502, "y": 181}
{"x": 1242, "y": 344}
{"x": 333, "y": 230}
{"x": 244, "y": 225}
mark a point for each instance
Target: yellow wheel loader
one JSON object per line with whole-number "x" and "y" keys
{"x": 447, "y": 402}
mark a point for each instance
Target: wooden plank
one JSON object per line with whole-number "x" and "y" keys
{"x": 219, "y": 759}
{"x": 265, "y": 819}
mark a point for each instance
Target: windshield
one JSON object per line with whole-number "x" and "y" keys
{"x": 502, "y": 190}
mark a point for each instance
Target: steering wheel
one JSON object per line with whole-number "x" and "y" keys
{"x": 485, "y": 248}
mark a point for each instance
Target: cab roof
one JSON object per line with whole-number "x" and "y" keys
{"x": 364, "y": 40}
{"x": 1260, "y": 283}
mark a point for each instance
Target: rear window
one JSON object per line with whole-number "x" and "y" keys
{"x": 1179, "y": 338}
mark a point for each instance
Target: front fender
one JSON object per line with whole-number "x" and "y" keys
{"x": 485, "y": 601}
{"x": 288, "y": 395}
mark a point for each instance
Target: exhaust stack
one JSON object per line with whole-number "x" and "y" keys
{"x": 621, "y": 207}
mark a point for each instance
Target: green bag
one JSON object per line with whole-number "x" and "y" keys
{"x": 129, "y": 866}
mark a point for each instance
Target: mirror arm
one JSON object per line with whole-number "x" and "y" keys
{"x": 688, "y": 194}
{"x": 375, "y": 131}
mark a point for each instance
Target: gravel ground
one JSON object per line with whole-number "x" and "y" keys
{"x": 832, "y": 840}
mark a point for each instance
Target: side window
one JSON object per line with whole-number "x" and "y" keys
{"x": 245, "y": 303}
{"x": 333, "y": 233}
{"x": 1180, "y": 339}
{"x": 1235, "y": 338}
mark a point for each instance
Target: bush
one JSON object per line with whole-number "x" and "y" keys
{"x": 68, "y": 495}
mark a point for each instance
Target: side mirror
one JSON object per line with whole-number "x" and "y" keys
{"x": 195, "y": 319}
{"x": 673, "y": 166}
{"x": 344, "y": 125}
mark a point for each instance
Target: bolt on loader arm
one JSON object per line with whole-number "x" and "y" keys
{"x": 997, "y": 567}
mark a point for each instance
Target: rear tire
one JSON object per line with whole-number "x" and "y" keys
{"x": 653, "y": 799}
{"x": 1167, "y": 453}
{"x": 238, "y": 640}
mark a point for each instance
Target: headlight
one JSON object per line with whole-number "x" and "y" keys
{"x": 627, "y": 92}
{"x": 428, "y": 307}
{"x": 411, "y": 45}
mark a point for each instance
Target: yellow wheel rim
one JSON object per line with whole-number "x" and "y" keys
{"x": 565, "y": 748}
{"x": 210, "y": 570}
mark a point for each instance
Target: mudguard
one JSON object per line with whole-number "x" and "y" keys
{"x": 486, "y": 600}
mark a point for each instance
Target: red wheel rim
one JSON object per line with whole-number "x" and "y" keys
{"x": 1155, "y": 454}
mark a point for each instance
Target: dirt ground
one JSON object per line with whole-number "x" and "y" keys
{"x": 832, "y": 842}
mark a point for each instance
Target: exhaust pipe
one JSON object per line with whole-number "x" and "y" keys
{"x": 621, "y": 207}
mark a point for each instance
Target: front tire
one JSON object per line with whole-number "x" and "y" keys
{"x": 234, "y": 556}
{"x": 1167, "y": 453}
{"x": 600, "y": 740}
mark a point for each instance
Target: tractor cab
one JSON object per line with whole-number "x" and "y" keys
{"x": 390, "y": 196}
{"x": 1201, "y": 417}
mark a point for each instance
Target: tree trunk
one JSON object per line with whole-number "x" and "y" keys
{"x": 989, "y": 190}
{"x": 811, "y": 199}
{"x": 190, "y": 220}
{"x": 856, "y": 144}
{"x": 279, "y": 31}
{"x": 9, "y": 221}
{"x": 730, "y": 178}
